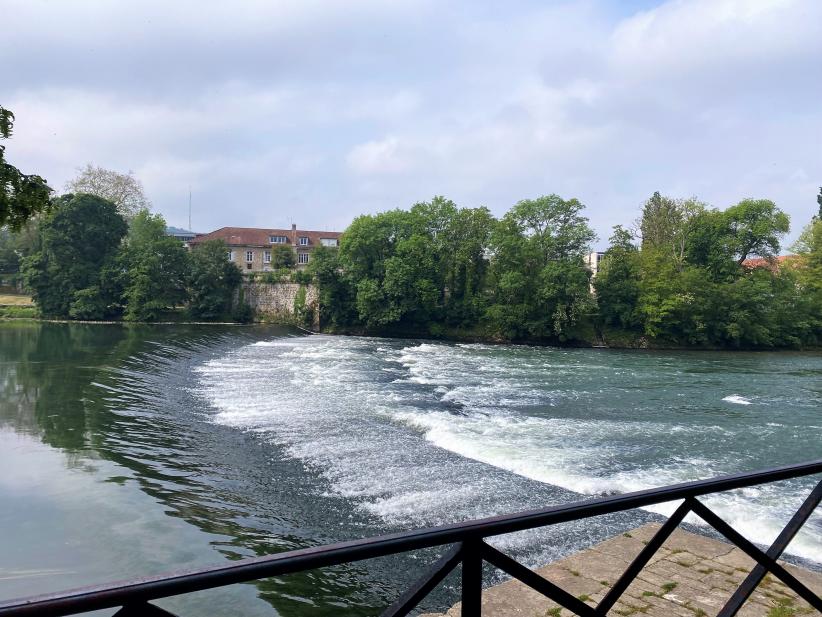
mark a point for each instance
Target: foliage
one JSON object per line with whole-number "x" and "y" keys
{"x": 617, "y": 283}
{"x": 21, "y": 195}
{"x": 74, "y": 271}
{"x": 282, "y": 256}
{"x": 212, "y": 282}
{"x": 155, "y": 268}
{"x": 539, "y": 282}
{"x": 125, "y": 191}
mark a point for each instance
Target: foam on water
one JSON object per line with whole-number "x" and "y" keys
{"x": 377, "y": 420}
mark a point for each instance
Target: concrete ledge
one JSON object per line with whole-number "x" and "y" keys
{"x": 690, "y": 576}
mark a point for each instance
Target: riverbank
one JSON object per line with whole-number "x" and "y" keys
{"x": 690, "y": 576}
{"x": 611, "y": 340}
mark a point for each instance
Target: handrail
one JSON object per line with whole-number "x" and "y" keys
{"x": 468, "y": 535}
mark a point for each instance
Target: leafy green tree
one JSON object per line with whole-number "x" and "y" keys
{"x": 368, "y": 251}
{"x": 756, "y": 226}
{"x": 666, "y": 224}
{"x": 155, "y": 267}
{"x": 282, "y": 256}
{"x": 74, "y": 274}
{"x": 617, "y": 283}
{"x": 336, "y": 295}
{"x": 819, "y": 201}
{"x": 213, "y": 281}
{"x": 21, "y": 196}
{"x": 540, "y": 283}
{"x": 9, "y": 256}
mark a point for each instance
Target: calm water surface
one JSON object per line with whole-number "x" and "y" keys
{"x": 127, "y": 451}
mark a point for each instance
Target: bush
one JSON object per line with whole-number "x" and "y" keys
{"x": 302, "y": 277}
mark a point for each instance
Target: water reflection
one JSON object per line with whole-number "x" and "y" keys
{"x": 115, "y": 401}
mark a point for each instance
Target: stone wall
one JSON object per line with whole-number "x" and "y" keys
{"x": 276, "y": 300}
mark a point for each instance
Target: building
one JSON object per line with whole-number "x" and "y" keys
{"x": 252, "y": 248}
{"x": 592, "y": 261}
{"x": 774, "y": 264}
{"x": 183, "y": 235}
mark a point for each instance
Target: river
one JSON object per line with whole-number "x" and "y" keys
{"x": 134, "y": 450}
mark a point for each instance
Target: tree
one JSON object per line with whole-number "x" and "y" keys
{"x": 213, "y": 281}
{"x": 155, "y": 266}
{"x": 124, "y": 190}
{"x": 819, "y": 201}
{"x": 540, "y": 283}
{"x": 74, "y": 272}
{"x": 21, "y": 195}
{"x": 282, "y": 257}
{"x": 336, "y": 295}
{"x": 617, "y": 283}
{"x": 666, "y": 224}
{"x": 755, "y": 227}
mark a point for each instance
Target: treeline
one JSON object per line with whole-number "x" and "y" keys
{"x": 84, "y": 260}
{"x": 679, "y": 278}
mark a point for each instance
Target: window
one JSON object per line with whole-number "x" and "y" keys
{"x": 248, "y": 266}
{"x": 249, "y": 256}
{"x": 230, "y": 255}
{"x": 267, "y": 257}
{"x": 277, "y": 239}
{"x": 302, "y": 258}
{"x": 329, "y": 242}
{"x": 303, "y": 240}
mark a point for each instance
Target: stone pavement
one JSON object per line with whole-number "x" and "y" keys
{"x": 690, "y": 576}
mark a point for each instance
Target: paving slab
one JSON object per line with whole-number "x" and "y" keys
{"x": 691, "y": 576}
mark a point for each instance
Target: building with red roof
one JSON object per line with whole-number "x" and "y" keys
{"x": 251, "y": 248}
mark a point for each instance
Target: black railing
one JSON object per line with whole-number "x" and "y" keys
{"x": 468, "y": 549}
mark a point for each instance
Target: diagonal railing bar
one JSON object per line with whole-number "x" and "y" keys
{"x": 759, "y": 571}
{"x": 648, "y": 551}
{"x": 754, "y": 553}
{"x": 426, "y": 584}
{"x": 535, "y": 581}
{"x": 142, "y": 590}
{"x": 142, "y": 609}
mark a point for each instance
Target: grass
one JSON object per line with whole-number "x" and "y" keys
{"x": 574, "y": 572}
{"x": 782, "y": 610}
{"x": 627, "y": 535}
{"x": 15, "y": 300}
{"x": 669, "y": 587}
{"x": 18, "y": 312}
{"x": 554, "y": 612}
{"x": 584, "y": 597}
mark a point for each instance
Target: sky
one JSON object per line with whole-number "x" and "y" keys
{"x": 315, "y": 112}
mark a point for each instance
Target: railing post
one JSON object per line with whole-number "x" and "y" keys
{"x": 471, "y": 578}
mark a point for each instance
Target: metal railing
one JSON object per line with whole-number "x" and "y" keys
{"x": 467, "y": 547}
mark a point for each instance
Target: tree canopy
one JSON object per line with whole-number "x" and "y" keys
{"x": 21, "y": 195}
{"x": 125, "y": 191}
{"x": 74, "y": 272}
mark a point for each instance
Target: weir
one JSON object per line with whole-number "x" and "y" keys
{"x": 466, "y": 547}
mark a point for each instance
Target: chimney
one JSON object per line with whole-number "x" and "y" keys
{"x": 294, "y": 234}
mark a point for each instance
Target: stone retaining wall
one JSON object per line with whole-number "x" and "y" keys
{"x": 276, "y": 300}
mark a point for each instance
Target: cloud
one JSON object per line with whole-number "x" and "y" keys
{"x": 320, "y": 111}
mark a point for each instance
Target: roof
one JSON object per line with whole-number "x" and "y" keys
{"x": 179, "y": 231}
{"x": 774, "y": 263}
{"x": 253, "y": 236}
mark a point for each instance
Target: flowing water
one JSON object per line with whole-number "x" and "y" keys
{"x": 127, "y": 451}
